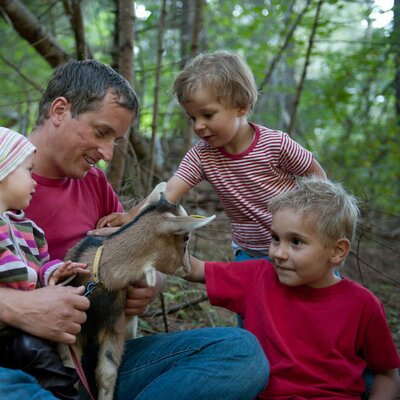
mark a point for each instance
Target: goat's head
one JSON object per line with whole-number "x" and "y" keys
{"x": 161, "y": 234}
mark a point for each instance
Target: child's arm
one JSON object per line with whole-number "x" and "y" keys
{"x": 196, "y": 273}
{"x": 176, "y": 189}
{"x": 67, "y": 270}
{"x": 316, "y": 169}
{"x": 386, "y": 385}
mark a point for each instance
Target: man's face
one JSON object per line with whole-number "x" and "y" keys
{"x": 83, "y": 141}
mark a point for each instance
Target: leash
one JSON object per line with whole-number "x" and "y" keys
{"x": 79, "y": 370}
{"x": 90, "y": 286}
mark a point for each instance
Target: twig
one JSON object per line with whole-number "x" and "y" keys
{"x": 278, "y": 56}
{"x": 178, "y": 307}
{"x": 164, "y": 312}
{"x": 375, "y": 269}
{"x": 21, "y": 74}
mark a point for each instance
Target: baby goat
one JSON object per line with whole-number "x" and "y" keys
{"x": 155, "y": 240}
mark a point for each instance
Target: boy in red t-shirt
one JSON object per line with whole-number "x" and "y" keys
{"x": 318, "y": 331}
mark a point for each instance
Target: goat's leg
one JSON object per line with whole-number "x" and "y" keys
{"x": 110, "y": 354}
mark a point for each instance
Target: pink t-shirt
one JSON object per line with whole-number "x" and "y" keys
{"x": 246, "y": 182}
{"x": 318, "y": 341}
{"x": 67, "y": 208}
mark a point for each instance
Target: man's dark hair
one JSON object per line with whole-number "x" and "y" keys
{"x": 84, "y": 84}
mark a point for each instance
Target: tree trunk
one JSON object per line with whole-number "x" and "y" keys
{"x": 156, "y": 93}
{"x": 74, "y": 11}
{"x": 124, "y": 30}
{"x": 194, "y": 48}
{"x": 396, "y": 50}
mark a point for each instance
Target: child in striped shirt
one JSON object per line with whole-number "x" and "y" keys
{"x": 25, "y": 265}
{"x": 246, "y": 163}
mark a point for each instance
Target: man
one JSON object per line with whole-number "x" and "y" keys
{"x": 86, "y": 109}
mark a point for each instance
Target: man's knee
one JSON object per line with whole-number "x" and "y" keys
{"x": 245, "y": 346}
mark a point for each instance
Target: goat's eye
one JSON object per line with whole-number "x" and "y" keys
{"x": 186, "y": 238}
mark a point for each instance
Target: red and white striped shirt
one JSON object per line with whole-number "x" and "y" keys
{"x": 246, "y": 182}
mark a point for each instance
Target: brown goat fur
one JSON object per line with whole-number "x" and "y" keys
{"x": 155, "y": 240}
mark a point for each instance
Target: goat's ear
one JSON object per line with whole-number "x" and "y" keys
{"x": 155, "y": 195}
{"x": 183, "y": 224}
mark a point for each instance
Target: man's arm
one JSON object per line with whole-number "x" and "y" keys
{"x": 386, "y": 385}
{"x": 54, "y": 312}
{"x": 140, "y": 295}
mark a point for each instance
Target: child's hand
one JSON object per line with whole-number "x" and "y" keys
{"x": 66, "y": 270}
{"x": 114, "y": 219}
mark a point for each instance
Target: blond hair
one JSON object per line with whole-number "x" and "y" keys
{"x": 225, "y": 72}
{"x": 327, "y": 206}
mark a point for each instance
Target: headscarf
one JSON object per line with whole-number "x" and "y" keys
{"x": 14, "y": 149}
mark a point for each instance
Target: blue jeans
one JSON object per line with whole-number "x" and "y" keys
{"x": 199, "y": 364}
{"x": 206, "y": 363}
{"x": 17, "y": 385}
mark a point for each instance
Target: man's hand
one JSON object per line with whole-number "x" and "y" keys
{"x": 102, "y": 232}
{"x": 55, "y": 313}
{"x": 113, "y": 220}
{"x": 109, "y": 224}
{"x": 140, "y": 295}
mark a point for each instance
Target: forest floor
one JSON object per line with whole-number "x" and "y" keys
{"x": 373, "y": 262}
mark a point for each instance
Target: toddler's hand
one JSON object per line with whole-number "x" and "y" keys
{"x": 66, "y": 270}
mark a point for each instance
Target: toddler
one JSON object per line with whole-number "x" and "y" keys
{"x": 25, "y": 265}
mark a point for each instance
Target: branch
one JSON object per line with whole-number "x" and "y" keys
{"x": 304, "y": 73}
{"x": 389, "y": 278}
{"x": 278, "y": 56}
{"x": 30, "y": 28}
{"x": 22, "y": 75}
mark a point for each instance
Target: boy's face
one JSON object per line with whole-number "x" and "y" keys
{"x": 299, "y": 255}
{"x": 218, "y": 124}
{"x": 17, "y": 188}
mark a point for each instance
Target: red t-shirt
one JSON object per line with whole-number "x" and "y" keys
{"x": 67, "y": 208}
{"x": 318, "y": 341}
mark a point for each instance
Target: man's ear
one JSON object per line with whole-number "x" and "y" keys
{"x": 340, "y": 250}
{"x": 59, "y": 107}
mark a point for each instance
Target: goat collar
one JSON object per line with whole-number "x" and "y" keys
{"x": 96, "y": 266}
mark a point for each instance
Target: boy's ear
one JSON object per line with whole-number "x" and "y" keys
{"x": 58, "y": 109}
{"x": 340, "y": 250}
{"x": 243, "y": 111}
